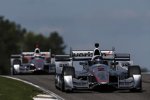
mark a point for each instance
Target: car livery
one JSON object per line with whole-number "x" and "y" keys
{"x": 29, "y": 62}
{"x": 100, "y": 67}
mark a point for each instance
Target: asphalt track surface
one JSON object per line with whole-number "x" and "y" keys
{"x": 47, "y": 82}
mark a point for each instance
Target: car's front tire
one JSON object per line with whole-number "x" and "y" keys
{"x": 135, "y": 70}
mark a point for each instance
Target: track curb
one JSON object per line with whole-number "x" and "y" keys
{"x": 50, "y": 94}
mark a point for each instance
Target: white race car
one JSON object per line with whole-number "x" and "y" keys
{"x": 100, "y": 68}
{"x": 29, "y": 62}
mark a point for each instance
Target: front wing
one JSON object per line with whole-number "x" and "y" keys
{"x": 129, "y": 83}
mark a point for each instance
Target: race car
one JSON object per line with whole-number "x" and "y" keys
{"x": 30, "y": 62}
{"x": 100, "y": 68}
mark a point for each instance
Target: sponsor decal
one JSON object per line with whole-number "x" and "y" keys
{"x": 82, "y": 54}
{"x": 107, "y": 53}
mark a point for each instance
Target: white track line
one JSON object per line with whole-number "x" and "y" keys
{"x": 41, "y": 88}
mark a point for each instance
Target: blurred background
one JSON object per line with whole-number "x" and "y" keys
{"x": 61, "y": 24}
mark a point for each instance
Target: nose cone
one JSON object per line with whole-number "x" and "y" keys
{"x": 101, "y": 73}
{"x": 39, "y": 63}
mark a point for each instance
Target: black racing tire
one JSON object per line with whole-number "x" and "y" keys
{"x": 14, "y": 72}
{"x": 11, "y": 70}
{"x": 17, "y": 61}
{"x": 62, "y": 84}
{"x": 136, "y": 90}
{"x": 56, "y": 82}
{"x": 135, "y": 69}
{"x": 63, "y": 88}
{"x": 57, "y": 87}
{"x": 69, "y": 71}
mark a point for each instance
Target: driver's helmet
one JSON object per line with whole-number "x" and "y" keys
{"x": 37, "y": 50}
{"x": 97, "y": 60}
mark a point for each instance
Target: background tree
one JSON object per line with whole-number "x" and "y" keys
{"x": 10, "y": 37}
{"x": 144, "y": 69}
{"x": 14, "y": 39}
{"x": 29, "y": 42}
{"x": 56, "y": 43}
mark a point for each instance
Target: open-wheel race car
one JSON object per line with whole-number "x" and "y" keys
{"x": 100, "y": 68}
{"x": 30, "y": 62}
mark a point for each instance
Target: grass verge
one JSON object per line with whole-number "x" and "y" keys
{"x": 15, "y": 90}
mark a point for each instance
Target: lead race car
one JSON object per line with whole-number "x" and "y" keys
{"x": 30, "y": 62}
{"x": 100, "y": 68}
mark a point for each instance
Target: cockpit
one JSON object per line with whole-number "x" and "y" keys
{"x": 37, "y": 53}
{"x": 97, "y": 57}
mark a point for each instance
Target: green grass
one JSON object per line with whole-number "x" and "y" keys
{"x": 16, "y": 90}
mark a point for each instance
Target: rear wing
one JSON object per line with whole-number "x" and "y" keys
{"x": 46, "y": 54}
{"x": 30, "y": 54}
{"x": 88, "y": 54}
{"x": 81, "y": 55}
{"x": 27, "y": 53}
